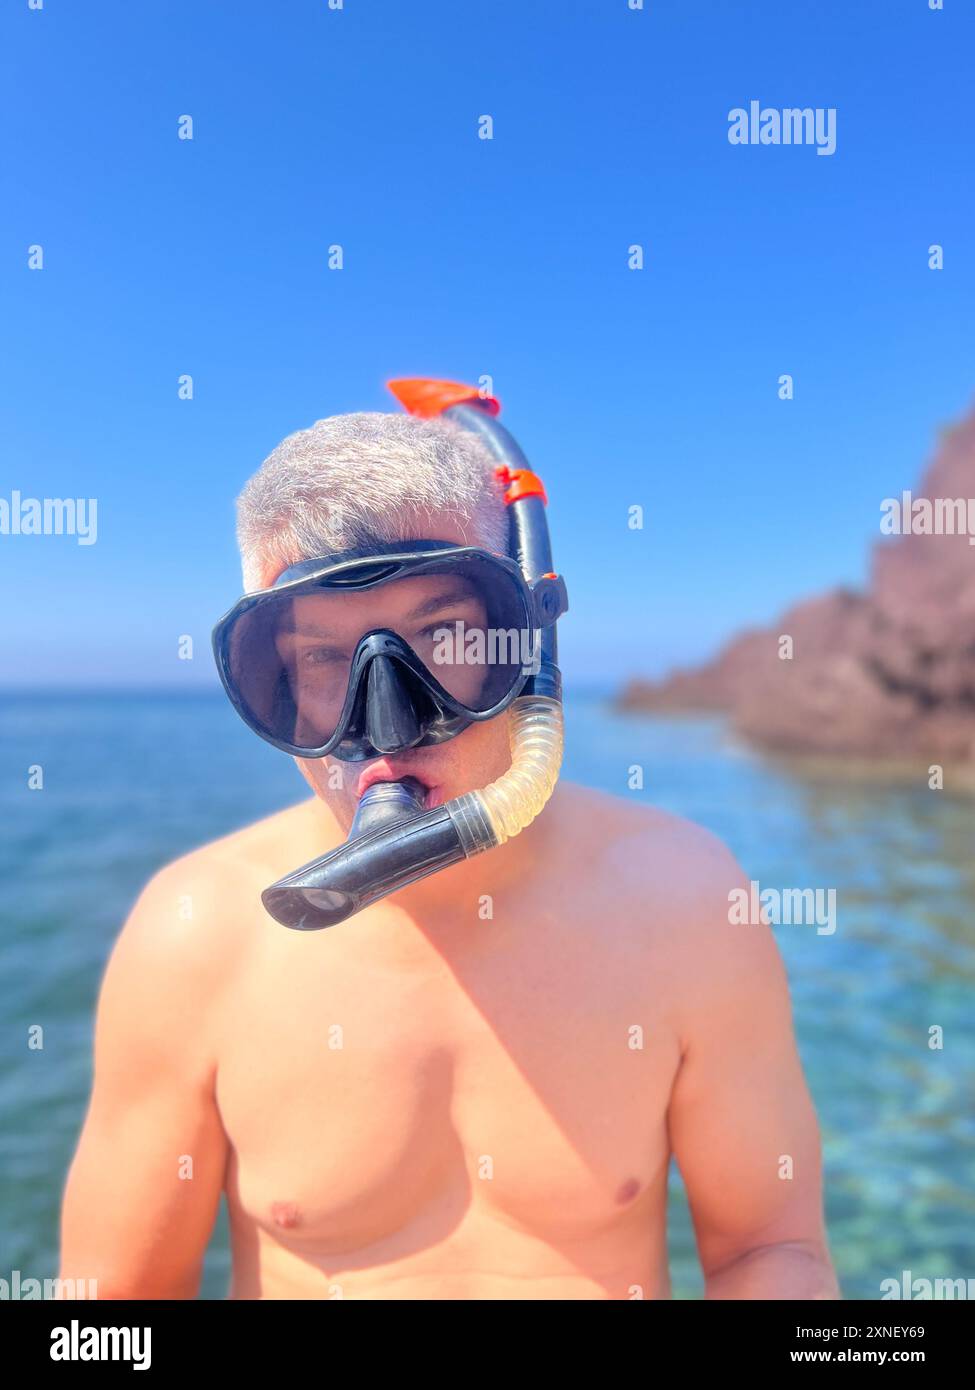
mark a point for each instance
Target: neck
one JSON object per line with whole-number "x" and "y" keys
{"x": 444, "y": 903}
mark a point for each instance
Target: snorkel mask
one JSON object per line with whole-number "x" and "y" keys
{"x": 463, "y": 635}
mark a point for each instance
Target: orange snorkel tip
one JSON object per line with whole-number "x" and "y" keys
{"x": 427, "y": 397}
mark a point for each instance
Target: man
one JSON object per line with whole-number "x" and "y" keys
{"x": 473, "y": 1087}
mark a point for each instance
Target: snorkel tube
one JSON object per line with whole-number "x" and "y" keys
{"x": 393, "y": 841}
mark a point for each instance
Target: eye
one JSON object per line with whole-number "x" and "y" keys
{"x": 437, "y": 628}
{"x": 320, "y": 656}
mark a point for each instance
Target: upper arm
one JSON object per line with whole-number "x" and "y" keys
{"x": 742, "y": 1125}
{"x": 144, "y": 1186}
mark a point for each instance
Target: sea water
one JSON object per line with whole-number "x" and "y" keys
{"x": 130, "y": 781}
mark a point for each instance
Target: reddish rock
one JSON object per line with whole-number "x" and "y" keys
{"x": 888, "y": 673}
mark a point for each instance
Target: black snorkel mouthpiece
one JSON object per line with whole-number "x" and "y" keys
{"x": 393, "y": 840}
{"x": 385, "y": 803}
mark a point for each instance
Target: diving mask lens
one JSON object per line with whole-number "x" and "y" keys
{"x": 454, "y": 628}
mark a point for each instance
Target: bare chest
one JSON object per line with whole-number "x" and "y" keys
{"x": 362, "y": 1097}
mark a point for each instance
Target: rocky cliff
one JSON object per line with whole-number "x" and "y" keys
{"x": 885, "y": 673}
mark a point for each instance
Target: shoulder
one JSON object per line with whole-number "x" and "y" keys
{"x": 192, "y": 929}
{"x": 219, "y": 865}
{"x": 681, "y": 888}
{"x": 663, "y": 857}
{"x": 193, "y": 919}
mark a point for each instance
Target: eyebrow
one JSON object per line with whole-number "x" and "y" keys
{"x": 442, "y": 600}
{"x": 423, "y": 610}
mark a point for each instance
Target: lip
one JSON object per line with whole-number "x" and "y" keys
{"x": 394, "y": 770}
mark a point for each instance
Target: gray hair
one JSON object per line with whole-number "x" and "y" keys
{"x": 356, "y": 479}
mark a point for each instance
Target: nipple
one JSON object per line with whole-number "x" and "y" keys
{"x": 284, "y": 1214}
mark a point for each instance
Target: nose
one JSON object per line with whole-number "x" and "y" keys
{"x": 398, "y": 709}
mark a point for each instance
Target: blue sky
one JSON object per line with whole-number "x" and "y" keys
{"x": 464, "y": 257}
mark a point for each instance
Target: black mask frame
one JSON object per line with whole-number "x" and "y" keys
{"x": 393, "y": 701}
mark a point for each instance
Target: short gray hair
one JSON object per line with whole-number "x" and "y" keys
{"x": 355, "y": 479}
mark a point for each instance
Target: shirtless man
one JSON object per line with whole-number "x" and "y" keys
{"x": 473, "y": 1088}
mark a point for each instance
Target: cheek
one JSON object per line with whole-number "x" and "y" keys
{"x": 328, "y": 777}
{"x": 488, "y": 749}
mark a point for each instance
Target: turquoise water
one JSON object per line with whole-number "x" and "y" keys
{"x": 130, "y": 781}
